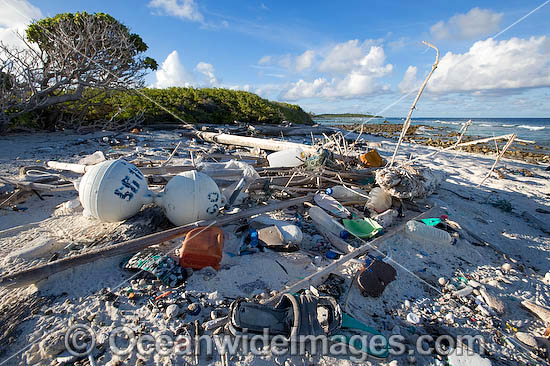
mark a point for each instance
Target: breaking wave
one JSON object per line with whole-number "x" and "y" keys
{"x": 532, "y": 128}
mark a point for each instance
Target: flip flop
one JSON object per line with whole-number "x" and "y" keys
{"x": 375, "y": 277}
{"x": 292, "y": 316}
{"x": 362, "y": 228}
{"x": 352, "y": 325}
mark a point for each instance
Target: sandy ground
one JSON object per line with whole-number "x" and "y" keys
{"x": 35, "y": 318}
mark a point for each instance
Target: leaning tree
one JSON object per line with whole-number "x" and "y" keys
{"x": 67, "y": 61}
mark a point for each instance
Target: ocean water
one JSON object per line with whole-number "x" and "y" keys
{"x": 533, "y": 129}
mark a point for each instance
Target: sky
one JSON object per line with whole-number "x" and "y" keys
{"x": 340, "y": 57}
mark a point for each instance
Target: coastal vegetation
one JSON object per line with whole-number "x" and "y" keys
{"x": 78, "y": 70}
{"x": 193, "y": 105}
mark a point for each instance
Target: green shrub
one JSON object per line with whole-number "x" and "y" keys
{"x": 206, "y": 105}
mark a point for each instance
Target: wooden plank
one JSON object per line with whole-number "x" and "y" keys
{"x": 40, "y": 272}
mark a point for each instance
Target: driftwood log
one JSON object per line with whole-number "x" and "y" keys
{"x": 40, "y": 272}
{"x": 264, "y": 144}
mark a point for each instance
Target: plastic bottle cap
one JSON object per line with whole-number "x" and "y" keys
{"x": 344, "y": 234}
{"x": 329, "y": 191}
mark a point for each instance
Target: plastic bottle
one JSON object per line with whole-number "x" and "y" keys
{"x": 421, "y": 232}
{"x": 341, "y": 192}
{"x": 379, "y": 201}
{"x": 286, "y": 158}
{"x": 323, "y": 219}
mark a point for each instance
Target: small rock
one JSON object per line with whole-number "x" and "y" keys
{"x": 194, "y": 308}
{"x": 172, "y": 311}
{"x": 492, "y": 301}
{"x": 527, "y": 339}
{"x": 542, "y": 312}
{"x": 407, "y": 304}
{"x": 506, "y": 267}
{"x": 547, "y": 278}
{"x": 442, "y": 281}
{"x": 53, "y": 344}
{"x": 450, "y": 318}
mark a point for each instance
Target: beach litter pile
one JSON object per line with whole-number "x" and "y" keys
{"x": 212, "y": 232}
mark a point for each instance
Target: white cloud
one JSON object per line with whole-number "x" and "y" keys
{"x": 265, "y": 60}
{"x": 355, "y": 84}
{"x": 354, "y": 67}
{"x": 355, "y": 56}
{"x": 304, "y": 89}
{"x": 185, "y": 9}
{"x": 15, "y": 16}
{"x": 475, "y": 23}
{"x": 409, "y": 82}
{"x": 305, "y": 60}
{"x": 208, "y": 71}
{"x": 489, "y": 65}
{"x": 172, "y": 73}
{"x": 245, "y": 87}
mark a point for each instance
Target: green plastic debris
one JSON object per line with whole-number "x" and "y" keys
{"x": 362, "y": 228}
{"x": 431, "y": 221}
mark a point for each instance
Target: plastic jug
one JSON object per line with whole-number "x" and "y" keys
{"x": 323, "y": 219}
{"x": 341, "y": 192}
{"x": 421, "y": 232}
{"x": 286, "y": 158}
{"x": 379, "y": 201}
{"x": 202, "y": 247}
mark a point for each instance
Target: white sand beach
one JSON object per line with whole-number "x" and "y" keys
{"x": 512, "y": 269}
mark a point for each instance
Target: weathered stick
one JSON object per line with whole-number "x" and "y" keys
{"x": 41, "y": 272}
{"x": 498, "y": 158}
{"x": 408, "y": 121}
{"x": 310, "y": 280}
{"x": 462, "y": 144}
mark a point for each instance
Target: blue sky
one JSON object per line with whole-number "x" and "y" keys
{"x": 354, "y": 56}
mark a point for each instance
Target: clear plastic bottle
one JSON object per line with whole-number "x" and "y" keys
{"x": 421, "y": 232}
{"x": 323, "y": 219}
{"x": 341, "y": 192}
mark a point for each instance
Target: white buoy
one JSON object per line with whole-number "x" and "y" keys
{"x": 116, "y": 190}
{"x": 190, "y": 196}
{"x": 113, "y": 190}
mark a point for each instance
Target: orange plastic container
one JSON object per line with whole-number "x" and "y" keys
{"x": 202, "y": 248}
